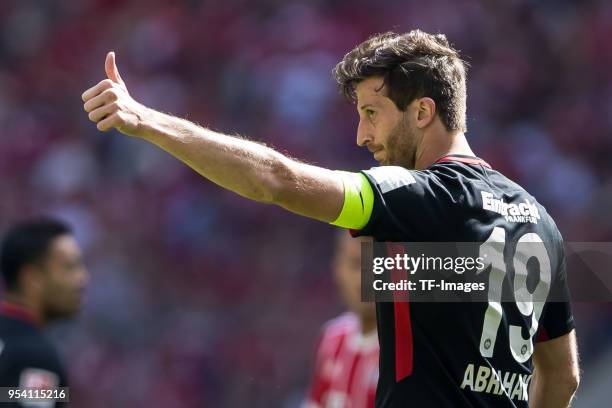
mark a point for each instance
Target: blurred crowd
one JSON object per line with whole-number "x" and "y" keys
{"x": 200, "y": 298}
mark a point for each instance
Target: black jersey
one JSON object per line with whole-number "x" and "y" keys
{"x": 27, "y": 357}
{"x": 463, "y": 354}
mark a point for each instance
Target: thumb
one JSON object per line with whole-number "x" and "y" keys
{"x": 110, "y": 66}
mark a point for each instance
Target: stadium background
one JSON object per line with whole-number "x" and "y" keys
{"x": 200, "y": 298}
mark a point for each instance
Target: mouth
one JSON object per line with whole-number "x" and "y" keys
{"x": 79, "y": 295}
{"x": 378, "y": 154}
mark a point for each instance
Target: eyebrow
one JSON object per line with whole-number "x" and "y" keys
{"x": 362, "y": 107}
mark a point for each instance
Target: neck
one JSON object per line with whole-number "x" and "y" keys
{"x": 368, "y": 323}
{"x": 26, "y": 308}
{"x": 441, "y": 144}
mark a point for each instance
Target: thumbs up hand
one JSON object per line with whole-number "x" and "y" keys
{"x": 112, "y": 72}
{"x": 110, "y": 105}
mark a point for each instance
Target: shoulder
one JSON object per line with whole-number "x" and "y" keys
{"x": 336, "y": 330}
{"x": 30, "y": 348}
{"x": 346, "y": 322}
{"x": 517, "y": 204}
{"x": 19, "y": 337}
{"x": 388, "y": 178}
{"x": 439, "y": 180}
{"x": 28, "y": 358}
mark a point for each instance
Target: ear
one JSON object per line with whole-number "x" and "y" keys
{"x": 425, "y": 112}
{"x": 29, "y": 279}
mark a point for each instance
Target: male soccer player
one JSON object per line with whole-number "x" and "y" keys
{"x": 410, "y": 92}
{"x": 346, "y": 366}
{"x": 44, "y": 279}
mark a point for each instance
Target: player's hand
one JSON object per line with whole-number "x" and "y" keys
{"x": 110, "y": 105}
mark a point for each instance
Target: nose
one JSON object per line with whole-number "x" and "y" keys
{"x": 364, "y": 135}
{"x": 83, "y": 277}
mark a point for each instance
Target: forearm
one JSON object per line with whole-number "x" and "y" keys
{"x": 242, "y": 166}
{"x": 247, "y": 168}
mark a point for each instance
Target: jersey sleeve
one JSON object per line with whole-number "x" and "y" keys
{"x": 557, "y": 317}
{"x": 407, "y": 203}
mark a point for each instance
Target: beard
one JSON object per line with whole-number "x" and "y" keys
{"x": 401, "y": 145}
{"x": 69, "y": 305}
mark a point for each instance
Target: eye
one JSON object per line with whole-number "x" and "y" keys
{"x": 370, "y": 113}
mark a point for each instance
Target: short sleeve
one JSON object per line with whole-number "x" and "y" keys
{"x": 407, "y": 204}
{"x": 557, "y": 317}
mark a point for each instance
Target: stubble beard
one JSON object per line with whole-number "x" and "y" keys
{"x": 401, "y": 146}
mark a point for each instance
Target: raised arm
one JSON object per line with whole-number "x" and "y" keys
{"x": 556, "y": 375}
{"x": 245, "y": 167}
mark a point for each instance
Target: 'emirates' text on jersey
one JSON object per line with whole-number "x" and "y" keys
{"x": 460, "y": 355}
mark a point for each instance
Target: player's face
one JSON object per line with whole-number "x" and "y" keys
{"x": 64, "y": 279}
{"x": 347, "y": 271}
{"x": 386, "y": 131}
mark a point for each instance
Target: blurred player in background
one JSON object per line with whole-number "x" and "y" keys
{"x": 410, "y": 92}
{"x": 346, "y": 366}
{"x": 44, "y": 279}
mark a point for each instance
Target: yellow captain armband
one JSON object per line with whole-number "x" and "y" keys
{"x": 358, "y": 201}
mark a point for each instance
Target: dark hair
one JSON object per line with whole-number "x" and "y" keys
{"x": 27, "y": 243}
{"x": 413, "y": 65}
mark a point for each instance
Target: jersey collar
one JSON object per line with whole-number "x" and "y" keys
{"x": 462, "y": 158}
{"x": 15, "y": 311}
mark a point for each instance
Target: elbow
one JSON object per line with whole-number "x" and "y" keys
{"x": 569, "y": 383}
{"x": 572, "y": 379}
{"x": 564, "y": 380}
{"x": 573, "y": 382}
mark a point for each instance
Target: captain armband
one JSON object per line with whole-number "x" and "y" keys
{"x": 358, "y": 201}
